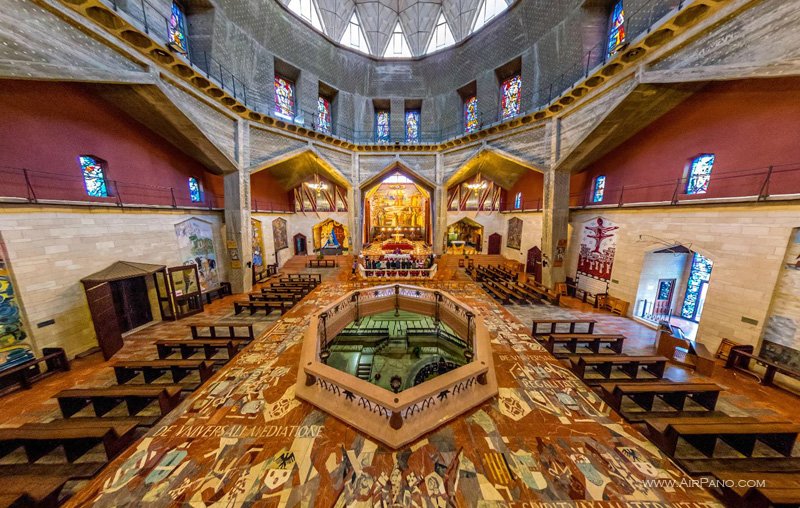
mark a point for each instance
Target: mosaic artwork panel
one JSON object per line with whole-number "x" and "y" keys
{"x": 514, "y": 237}
{"x": 280, "y": 236}
{"x": 196, "y": 247}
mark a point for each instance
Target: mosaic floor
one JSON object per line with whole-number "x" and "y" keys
{"x": 244, "y": 440}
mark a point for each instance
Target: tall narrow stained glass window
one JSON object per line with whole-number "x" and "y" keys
{"x": 616, "y": 29}
{"x": 195, "y": 194}
{"x": 94, "y": 176}
{"x": 178, "y": 39}
{"x": 511, "y": 96}
{"x": 412, "y": 126}
{"x": 599, "y": 189}
{"x": 518, "y": 201}
{"x": 284, "y": 97}
{"x": 700, "y": 174}
{"x": 471, "y": 122}
{"x": 699, "y": 274}
{"x": 382, "y": 126}
{"x": 324, "y": 118}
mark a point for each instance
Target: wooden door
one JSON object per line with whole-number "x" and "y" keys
{"x": 663, "y": 300}
{"x": 495, "y": 240}
{"x": 131, "y": 303}
{"x": 104, "y": 317}
{"x": 300, "y": 244}
{"x": 534, "y": 264}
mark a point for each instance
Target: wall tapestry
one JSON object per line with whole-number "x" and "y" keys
{"x": 514, "y": 237}
{"x": 196, "y": 246}
{"x": 279, "y": 234}
{"x": 258, "y": 246}
{"x": 782, "y": 331}
{"x": 12, "y": 351}
{"x": 596, "y": 257}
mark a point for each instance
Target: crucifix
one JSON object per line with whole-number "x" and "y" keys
{"x": 600, "y": 233}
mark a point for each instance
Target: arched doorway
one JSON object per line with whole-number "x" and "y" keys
{"x": 464, "y": 237}
{"x": 533, "y": 267}
{"x": 300, "y": 246}
{"x": 495, "y": 243}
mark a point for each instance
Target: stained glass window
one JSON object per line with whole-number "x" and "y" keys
{"x": 699, "y": 274}
{"x": 700, "y": 174}
{"x": 324, "y": 115}
{"x": 177, "y": 29}
{"x": 599, "y": 189}
{"x": 616, "y": 29}
{"x": 471, "y": 122}
{"x": 412, "y": 126}
{"x": 94, "y": 176}
{"x": 382, "y": 126}
{"x": 194, "y": 190}
{"x": 284, "y": 97}
{"x": 510, "y": 96}
{"x": 518, "y": 201}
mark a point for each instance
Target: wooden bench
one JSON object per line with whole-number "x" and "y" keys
{"x": 266, "y": 305}
{"x": 41, "y": 491}
{"x": 553, "y": 325}
{"x": 220, "y": 291}
{"x": 703, "y": 466}
{"x": 499, "y": 295}
{"x": 75, "y": 441}
{"x": 322, "y": 263}
{"x": 267, "y": 295}
{"x": 234, "y": 330}
{"x": 189, "y": 347}
{"x": 514, "y": 293}
{"x": 104, "y": 400}
{"x": 593, "y": 342}
{"x": 772, "y": 498}
{"x": 154, "y": 369}
{"x": 531, "y": 295}
{"x": 304, "y": 276}
{"x": 740, "y": 357}
{"x": 742, "y": 437}
{"x": 604, "y": 365}
{"x": 76, "y": 471}
{"x": 25, "y": 374}
{"x": 673, "y": 394}
{"x": 736, "y": 487}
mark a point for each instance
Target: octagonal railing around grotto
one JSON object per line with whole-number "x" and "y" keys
{"x": 396, "y": 419}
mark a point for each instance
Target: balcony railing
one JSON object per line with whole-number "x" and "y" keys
{"x": 638, "y": 22}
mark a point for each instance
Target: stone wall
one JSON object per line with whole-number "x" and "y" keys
{"x": 51, "y": 249}
{"x": 531, "y": 235}
{"x": 781, "y": 341}
{"x": 296, "y": 223}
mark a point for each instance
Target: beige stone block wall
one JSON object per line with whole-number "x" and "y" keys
{"x": 531, "y": 235}
{"x": 746, "y": 242}
{"x": 51, "y": 248}
{"x": 296, "y": 223}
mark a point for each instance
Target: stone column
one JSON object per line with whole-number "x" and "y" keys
{"x": 237, "y": 213}
{"x": 439, "y": 209}
{"x": 555, "y": 216}
{"x": 355, "y": 212}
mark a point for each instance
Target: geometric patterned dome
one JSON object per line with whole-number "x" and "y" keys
{"x": 396, "y": 28}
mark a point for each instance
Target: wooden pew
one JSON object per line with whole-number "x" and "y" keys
{"x": 235, "y": 330}
{"x": 740, "y": 357}
{"x": 305, "y": 276}
{"x": 75, "y": 441}
{"x": 772, "y": 498}
{"x": 154, "y": 369}
{"x": 748, "y": 465}
{"x": 551, "y": 325}
{"x": 275, "y": 295}
{"x": 736, "y": 487}
{"x": 514, "y": 293}
{"x": 593, "y": 342}
{"x": 673, "y": 394}
{"x": 267, "y": 305}
{"x": 604, "y": 365}
{"x": 22, "y": 490}
{"x": 189, "y": 347}
{"x": 104, "y": 400}
{"x": 532, "y": 296}
{"x": 26, "y": 373}
{"x": 496, "y": 293}
{"x": 742, "y": 437}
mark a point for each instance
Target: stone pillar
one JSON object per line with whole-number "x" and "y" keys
{"x": 355, "y": 214}
{"x": 237, "y": 213}
{"x": 555, "y": 225}
{"x": 439, "y": 209}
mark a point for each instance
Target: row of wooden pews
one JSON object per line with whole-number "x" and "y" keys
{"x": 281, "y": 295}
{"x": 98, "y": 423}
{"x": 682, "y": 418}
{"x": 503, "y": 285}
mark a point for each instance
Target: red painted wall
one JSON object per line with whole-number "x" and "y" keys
{"x": 749, "y": 125}
{"x": 44, "y": 127}
{"x": 531, "y": 185}
{"x": 267, "y": 194}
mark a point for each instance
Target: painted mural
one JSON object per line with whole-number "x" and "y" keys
{"x": 330, "y": 234}
{"x": 782, "y": 332}
{"x": 598, "y": 247}
{"x": 279, "y": 234}
{"x": 12, "y": 333}
{"x": 514, "y": 237}
{"x": 259, "y": 265}
{"x": 196, "y": 246}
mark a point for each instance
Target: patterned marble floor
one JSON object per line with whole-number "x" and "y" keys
{"x": 244, "y": 440}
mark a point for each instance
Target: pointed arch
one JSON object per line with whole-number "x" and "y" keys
{"x": 398, "y": 46}
{"x": 398, "y": 166}
{"x": 441, "y": 35}
{"x": 308, "y": 11}
{"x": 353, "y": 36}
{"x": 488, "y": 10}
